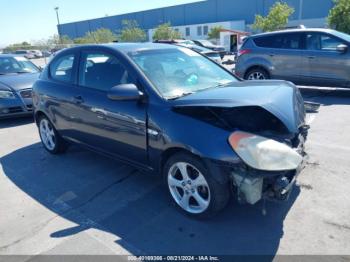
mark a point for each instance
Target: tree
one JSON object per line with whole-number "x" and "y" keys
{"x": 131, "y": 32}
{"x": 17, "y": 46}
{"x": 82, "y": 40}
{"x": 100, "y": 36}
{"x": 165, "y": 32}
{"x": 214, "y": 32}
{"x": 339, "y": 16}
{"x": 55, "y": 41}
{"x": 276, "y": 19}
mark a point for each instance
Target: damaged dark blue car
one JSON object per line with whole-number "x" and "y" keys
{"x": 170, "y": 111}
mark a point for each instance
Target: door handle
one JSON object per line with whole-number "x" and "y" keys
{"x": 101, "y": 113}
{"x": 272, "y": 55}
{"x": 311, "y": 57}
{"x": 78, "y": 99}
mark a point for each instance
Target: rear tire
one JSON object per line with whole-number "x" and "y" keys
{"x": 257, "y": 74}
{"x": 50, "y": 138}
{"x": 193, "y": 187}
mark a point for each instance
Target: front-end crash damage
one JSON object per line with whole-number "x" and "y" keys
{"x": 272, "y": 155}
{"x": 270, "y": 167}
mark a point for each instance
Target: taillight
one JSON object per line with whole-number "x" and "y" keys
{"x": 244, "y": 52}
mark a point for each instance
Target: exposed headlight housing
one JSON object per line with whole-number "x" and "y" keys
{"x": 6, "y": 95}
{"x": 263, "y": 153}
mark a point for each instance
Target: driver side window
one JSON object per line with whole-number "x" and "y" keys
{"x": 102, "y": 71}
{"x": 321, "y": 42}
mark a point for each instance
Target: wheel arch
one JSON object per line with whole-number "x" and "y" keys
{"x": 220, "y": 174}
{"x": 168, "y": 153}
{"x": 37, "y": 116}
{"x": 40, "y": 113}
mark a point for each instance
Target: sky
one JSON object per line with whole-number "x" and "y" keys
{"x": 30, "y": 20}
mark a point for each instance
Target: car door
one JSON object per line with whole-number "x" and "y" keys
{"x": 60, "y": 91}
{"x": 324, "y": 65}
{"x": 283, "y": 51}
{"x": 114, "y": 127}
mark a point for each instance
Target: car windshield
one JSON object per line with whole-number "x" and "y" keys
{"x": 16, "y": 65}
{"x": 180, "y": 71}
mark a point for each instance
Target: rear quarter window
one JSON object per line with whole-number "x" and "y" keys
{"x": 280, "y": 41}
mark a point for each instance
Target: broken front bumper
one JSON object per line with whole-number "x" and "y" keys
{"x": 275, "y": 187}
{"x": 253, "y": 185}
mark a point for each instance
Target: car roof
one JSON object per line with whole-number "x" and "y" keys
{"x": 134, "y": 47}
{"x": 297, "y": 30}
{"x": 126, "y": 47}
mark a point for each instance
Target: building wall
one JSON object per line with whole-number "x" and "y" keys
{"x": 205, "y": 12}
{"x": 200, "y": 31}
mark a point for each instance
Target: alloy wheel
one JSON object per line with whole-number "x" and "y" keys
{"x": 256, "y": 76}
{"x": 47, "y": 134}
{"x": 189, "y": 187}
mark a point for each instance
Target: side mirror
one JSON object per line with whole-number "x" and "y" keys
{"x": 342, "y": 48}
{"x": 124, "y": 92}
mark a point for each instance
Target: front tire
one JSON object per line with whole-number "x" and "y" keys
{"x": 193, "y": 187}
{"x": 50, "y": 138}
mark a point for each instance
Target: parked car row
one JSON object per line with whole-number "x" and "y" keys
{"x": 204, "y": 47}
{"x": 318, "y": 57}
{"x": 209, "y": 45}
{"x": 214, "y": 55}
{"x": 31, "y": 54}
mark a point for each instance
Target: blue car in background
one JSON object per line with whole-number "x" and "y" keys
{"x": 17, "y": 76}
{"x": 170, "y": 111}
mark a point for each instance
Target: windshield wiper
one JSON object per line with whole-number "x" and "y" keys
{"x": 22, "y": 72}
{"x": 179, "y": 96}
{"x": 224, "y": 84}
{"x": 200, "y": 90}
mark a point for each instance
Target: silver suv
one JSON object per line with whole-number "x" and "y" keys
{"x": 303, "y": 56}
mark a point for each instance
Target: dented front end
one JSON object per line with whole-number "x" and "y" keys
{"x": 271, "y": 151}
{"x": 269, "y": 166}
{"x": 273, "y": 159}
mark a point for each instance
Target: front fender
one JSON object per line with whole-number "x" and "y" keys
{"x": 189, "y": 134}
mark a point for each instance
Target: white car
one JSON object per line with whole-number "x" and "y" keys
{"x": 37, "y": 53}
{"x": 25, "y": 53}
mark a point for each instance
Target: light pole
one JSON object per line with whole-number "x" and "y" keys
{"x": 58, "y": 24}
{"x": 301, "y": 6}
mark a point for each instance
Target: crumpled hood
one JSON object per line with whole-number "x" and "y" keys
{"x": 18, "y": 82}
{"x": 280, "y": 98}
